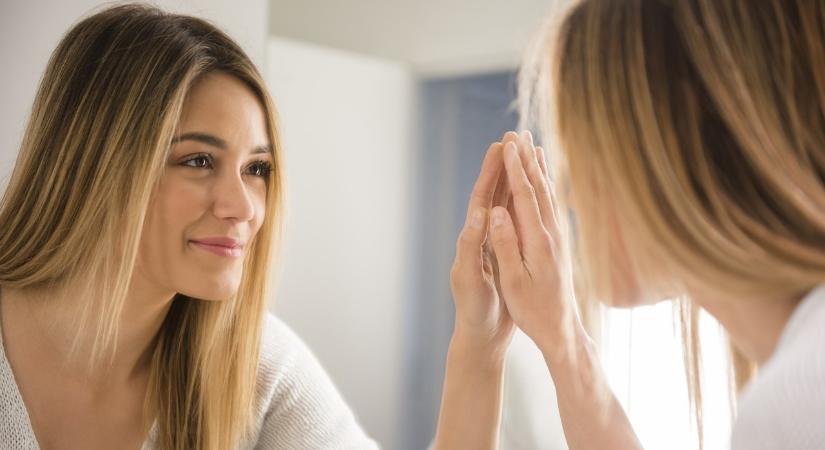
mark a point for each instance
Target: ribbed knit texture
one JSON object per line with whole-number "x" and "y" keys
{"x": 784, "y": 407}
{"x": 298, "y": 407}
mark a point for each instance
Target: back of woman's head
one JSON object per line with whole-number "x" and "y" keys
{"x": 95, "y": 148}
{"x": 689, "y": 150}
{"x": 697, "y": 126}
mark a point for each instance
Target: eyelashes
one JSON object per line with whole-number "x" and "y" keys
{"x": 260, "y": 168}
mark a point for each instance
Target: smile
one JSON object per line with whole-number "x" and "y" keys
{"x": 220, "y": 250}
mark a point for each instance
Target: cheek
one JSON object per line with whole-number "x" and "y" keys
{"x": 625, "y": 287}
{"x": 175, "y": 206}
{"x": 628, "y": 288}
{"x": 258, "y": 199}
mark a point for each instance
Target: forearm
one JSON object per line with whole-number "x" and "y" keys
{"x": 591, "y": 415}
{"x": 471, "y": 399}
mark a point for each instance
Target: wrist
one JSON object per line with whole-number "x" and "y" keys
{"x": 477, "y": 350}
{"x": 563, "y": 352}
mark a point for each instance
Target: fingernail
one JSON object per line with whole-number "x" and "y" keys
{"x": 477, "y": 219}
{"x": 498, "y": 217}
{"x": 528, "y": 136}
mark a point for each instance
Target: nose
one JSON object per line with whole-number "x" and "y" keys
{"x": 232, "y": 198}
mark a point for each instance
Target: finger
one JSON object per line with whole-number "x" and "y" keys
{"x": 531, "y": 230}
{"x": 510, "y": 136}
{"x": 469, "y": 259}
{"x": 530, "y": 160}
{"x": 551, "y": 226}
{"x": 485, "y": 186}
{"x": 538, "y": 181}
{"x": 505, "y": 245}
{"x": 500, "y": 198}
{"x": 514, "y": 218}
{"x": 502, "y": 194}
{"x": 542, "y": 162}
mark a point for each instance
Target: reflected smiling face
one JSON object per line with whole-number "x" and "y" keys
{"x": 211, "y": 198}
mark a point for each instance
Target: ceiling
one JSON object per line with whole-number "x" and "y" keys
{"x": 435, "y": 38}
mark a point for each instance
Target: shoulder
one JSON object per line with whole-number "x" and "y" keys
{"x": 287, "y": 367}
{"x": 785, "y": 405}
{"x": 298, "y": 404}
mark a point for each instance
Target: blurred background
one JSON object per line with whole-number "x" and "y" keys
{"x": 387, "y": 108}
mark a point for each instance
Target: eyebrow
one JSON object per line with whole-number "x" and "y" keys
{"x": 215, "y": 141}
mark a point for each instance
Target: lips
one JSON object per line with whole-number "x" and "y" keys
{"x": 221, "y": 246}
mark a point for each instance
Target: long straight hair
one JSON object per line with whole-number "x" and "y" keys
{"x": 699, "y": 126}
{"x": 94, "y": 150}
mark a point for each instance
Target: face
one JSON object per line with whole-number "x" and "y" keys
{"x": 211, "y": 198}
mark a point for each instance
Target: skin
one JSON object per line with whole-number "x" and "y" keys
{"x": 524, "y": 290}
{"x": 71, "y": 408}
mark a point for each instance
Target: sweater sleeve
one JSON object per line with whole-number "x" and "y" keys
{"x": 299, "y": 406}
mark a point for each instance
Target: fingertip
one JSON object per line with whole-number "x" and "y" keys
{"x": 528, "y": 136}
{"x": 509, "y": 136}
{"x": 512, "y": 159}
{"x": 497, "y": 148}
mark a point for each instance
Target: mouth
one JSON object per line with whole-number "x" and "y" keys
{"x": 230, "y": 251}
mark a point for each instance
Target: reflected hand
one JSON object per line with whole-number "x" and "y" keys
{"x": 482, "y": 319}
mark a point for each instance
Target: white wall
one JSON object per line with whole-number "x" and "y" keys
{"x": 347, "y": 125}
{"x": 30, "y": 30}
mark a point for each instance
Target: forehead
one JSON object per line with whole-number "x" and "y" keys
{"x": 223, "y": 105}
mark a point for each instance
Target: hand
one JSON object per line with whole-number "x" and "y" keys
{"x": 482, "y": 320}
{"x": 526, "y": 238}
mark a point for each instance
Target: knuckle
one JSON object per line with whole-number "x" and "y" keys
{"x": 524, "y": 190}
{"x": 461, "y": 279}
{"x": 544, "y": 187}
{"x": 465, "y": 240}
{"x": 456, "y": 274}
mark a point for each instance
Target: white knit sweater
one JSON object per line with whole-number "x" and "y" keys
{"x": 298, "y": 405}
{"x": 784, "y": 407}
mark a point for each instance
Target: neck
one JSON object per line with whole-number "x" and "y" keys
{"x": 754, "y": 324}
{"x": 45, "y": 330}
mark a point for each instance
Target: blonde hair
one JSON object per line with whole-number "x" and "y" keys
{"x": 699, "y": 126}
{"x": 102, "y": 122}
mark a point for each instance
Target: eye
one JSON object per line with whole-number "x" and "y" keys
{"x": 199, "y": 161}
{"x": 260, "y": 168}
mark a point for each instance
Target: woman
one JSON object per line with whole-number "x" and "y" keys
{"x": 135, "y": 239}
{"x": 691, "y": 138}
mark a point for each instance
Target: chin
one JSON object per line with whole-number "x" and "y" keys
{"x": 634, "y": 300}
{"x": 218, "y": 293}
{"x": 626, "y": 292}
{"x": 626, "y": 296}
